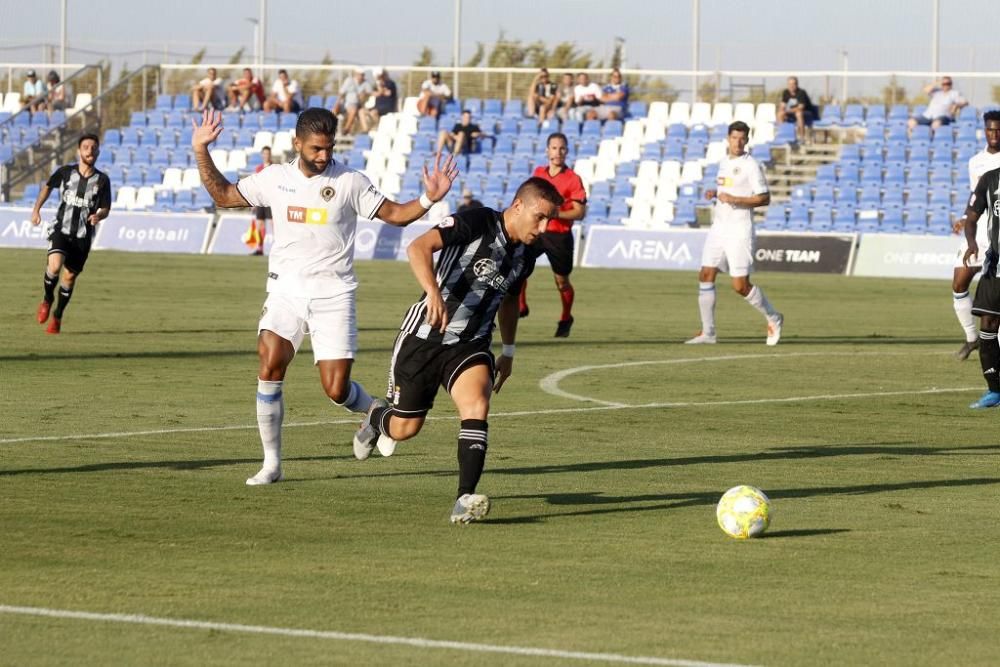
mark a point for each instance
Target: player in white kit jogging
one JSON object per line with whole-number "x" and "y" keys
{"x": 980, "y": 163}
{"x": 742, "y": 187}
{"x": 315, "y": 202}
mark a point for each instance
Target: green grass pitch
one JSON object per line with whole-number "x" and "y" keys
{"x": 125, "y": 442}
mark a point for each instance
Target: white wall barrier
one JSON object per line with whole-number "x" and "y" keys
{"x": 804, "y": 253}
{"x": 229, "y": 232}
{"x": 16, "y": 230}
{"x": 155, "y": 232}
{"x": 613, "y": 246}
{"x": 906, "y": 256}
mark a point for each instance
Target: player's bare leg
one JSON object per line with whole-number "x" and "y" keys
{"x": 275, "y": 354}
{"x": 960, "y": 282}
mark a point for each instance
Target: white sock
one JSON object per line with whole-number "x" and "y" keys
{"x": 270, "y": 412}
{"x": 706, "y": 304}
{"x": 963, "y": 309}
{"x": 358, "y": 400}
{"x": 757, "y": 299}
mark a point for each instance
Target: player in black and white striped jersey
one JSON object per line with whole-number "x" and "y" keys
{"x": 84, "y": 200}
{"x": 445, "y": 337}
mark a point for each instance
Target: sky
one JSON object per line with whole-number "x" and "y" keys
{"x": 775, "y": 35}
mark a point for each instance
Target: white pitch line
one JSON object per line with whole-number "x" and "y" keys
{"x": 415, "y": 642}
{"x": 515, "y": 413}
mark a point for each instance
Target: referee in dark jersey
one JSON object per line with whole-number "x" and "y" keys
{"x": 84, "y": 200}
{"x": 445, "y": 337}
{"x": 986, "y": 198}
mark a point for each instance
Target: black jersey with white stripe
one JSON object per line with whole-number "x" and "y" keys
{"x": 986, "y": 198}
{"x": 79, "y": 198}
{"x": 477, "y": 266}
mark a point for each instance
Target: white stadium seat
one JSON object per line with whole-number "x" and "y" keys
{"x": 670, "y": 172}
{"x": 172, "y": 178}
{"x": 283, "y": 143}
{"x": 82, "y": 101}
{"x": 262, "y": 139}
{"x": 722, "y": 113}
{"x": 396, "y": 164}
{"x": 237, "y": 160}
{"x": 680, "y": 112}
{"x": 220, "y": 156}
{"x": 766, "y": 113}
{"x": 659, "y": 112}
{"x": 191, "y": 178}
{"x": 12, "y": 102}
{"x": 410, "y": 106}
{"x": 715, "y": 152}
{"x": 649, "y": 171}
{"x": 145, "y": 197}
{"x": 744, "y": 111}
{"x": 691, "y": 172}
{"x": 701, "y": 114}
{"x": 125, "y": 199}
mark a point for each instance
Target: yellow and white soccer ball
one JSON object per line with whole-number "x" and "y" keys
{"x": 743, "y": 512}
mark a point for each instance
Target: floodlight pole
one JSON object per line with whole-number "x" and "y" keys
{"x": 262, "y": 37}
{"x": 936, "y": 36}
{"x": 456, "y": 42}
{"x": 62, "y": 36}
{"x": 695, "y": 47}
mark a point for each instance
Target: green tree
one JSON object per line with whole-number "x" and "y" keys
{"x": 426, "y": 58}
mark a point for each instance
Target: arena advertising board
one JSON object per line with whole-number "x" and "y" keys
{"x": 154, "y": 232}
{"x": 612, "y": 246}
{"x": 906, "y": 256}
{"x": 229, "y": 234}
{"x": 378, "y": 240}
{"x": 804, "y": 253}
{"x": 16, "y": 230}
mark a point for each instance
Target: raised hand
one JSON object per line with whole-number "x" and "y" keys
{"x": 438, "y": 182}
{"x": 208, "y": 131}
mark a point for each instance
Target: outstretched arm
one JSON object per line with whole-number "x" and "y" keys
{"x": 223, "y": 193}
{"x": 436, "y": 185}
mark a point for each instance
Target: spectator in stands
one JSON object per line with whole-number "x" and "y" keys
{"x": 34, "y": 90}
{"x": 944, "y": 103}
{"x": 566, "y": 97}
{"x": 796, "y": 107}
{"x": 386, "y": 97}
{"x": 207, "y": 93}
{"x": 586, "y": 98}
{"x": 354, "y": 92}
{"x": 434, "y": 94}
{"x": 468, "y": 201}
{"x": 463, "y": 137}
{"x": 285, "y": 95}
{"x": 246, "y": 93}
{"x": 56, "y": 95}
{"x": 543, "y": 97}
{"x": 614, "y": 98}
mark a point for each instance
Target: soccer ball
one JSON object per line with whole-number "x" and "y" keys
{"x": 743, "y": 511}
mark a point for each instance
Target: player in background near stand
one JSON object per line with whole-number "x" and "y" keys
{"x": 445, "y": 337}
{"x": 315, "y": 201}
{"x": 742, "y": 187}
{"x": 84, "y": 200}
{"x": 557, "y": 241}
{"x": 979, "y": 164}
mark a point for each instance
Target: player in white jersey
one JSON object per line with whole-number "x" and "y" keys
{"x": 742, "y": 187}
{"x": 315, "y": 202}
{"x": 980, "y": 163}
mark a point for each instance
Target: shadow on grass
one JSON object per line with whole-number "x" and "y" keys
{"x": 805, "y": 532}
{"x": 197, "y": 464}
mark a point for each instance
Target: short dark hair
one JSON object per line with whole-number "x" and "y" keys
{"x": 539, "y": 187}
{"x": 993, "y": 114}
{"x": 739, "y": 126}
{"x": 556, "y": 135}
{"x": 282, "y": 71}
{"x": 316, "y": 120}
{"x": 265, "y": 148}
{"x": 89, "y": 135}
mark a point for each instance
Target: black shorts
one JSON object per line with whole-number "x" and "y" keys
{"x": 808, "y": 117}
{"x": 262, "y": 212}
{"x": 987, "y": 299}
{"x": 419, "y": 367}
{"x": 558, "y": 247}
{"x": 74, "y": 250}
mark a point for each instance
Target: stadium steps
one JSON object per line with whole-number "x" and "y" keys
{"x": 799, "y": 166}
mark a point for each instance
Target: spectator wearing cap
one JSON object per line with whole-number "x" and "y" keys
{"x": 463, "y": 136}
{"x": 34, "y": 89}
{"x": 468, "y": 201}
{"x": 434, "y": 94}
{"x": 56, "y": 95}
{"x": 386, "y": 99}
{"x": 944, "y": 103}
{"x": 354, "y": 91}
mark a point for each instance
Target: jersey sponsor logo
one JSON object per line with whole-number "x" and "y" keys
{"x": 724, "y": 181}
{"x": 447, "y": 222}
{"x": 996, "y": 209}
{"x": 308, "y": 216}
{"x": 327, "y": 193}
{"x": 486, "y": 272}
{"x": 285, "y": 188}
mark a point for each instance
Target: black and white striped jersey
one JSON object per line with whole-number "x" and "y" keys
{"x": 478, "y": 265}
{"x": 79, "y": 198}
{"x": 986, "y": 198}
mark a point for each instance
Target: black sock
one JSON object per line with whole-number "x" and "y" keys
{"x": 65, "y": 293}
{"x": 380, "y": 420}
{"x": 989, "y": 358}
{"x": 472, "y": 445}
{"x": 50, "y": 287}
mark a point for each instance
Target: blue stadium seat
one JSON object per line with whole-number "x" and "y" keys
{"x": 112, "y": 137}
{"x": 513, "y": 109}
{"x": 182, "y": 102}
{"x": 875, "y": 112}
{"x": 612, "y": 128}
{"x": 920, "y": 133}
{"x": 917, "y": 193}
{"x": 850, "y": 152}
{"x": 775, "y": 218}
{"x": 871, "y": 196}
{"x": 130, "y": 137}
{"x": 871, "y": 173}
{"x": 854, "y": 116}
{"x": 138, "y": 119}
{"x": 831, "y": 116}
{"x": 823, "y": 193}
{"x": 892, "y": 218}
{"x": 942, "y": 174}
{"x": 798, "y": 216}
{"x": 269, "y": 122}
{"x": 165, "y": 102}
{"x": 177, "y": 119}
{"x": 849, "y": 172}
{"x": 895, "y": 174}
{"x": 492, "y": 107}
{"x": 826, "y": 173}
{"x": 316, "y": 101}
{"x": 940, "y": 196}
{"x": 638, "y": 110}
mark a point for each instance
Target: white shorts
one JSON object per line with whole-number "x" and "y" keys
{"x": 975, "y": 262}
{"x": 330, "y": 322}
{"x": 732, "y": 253}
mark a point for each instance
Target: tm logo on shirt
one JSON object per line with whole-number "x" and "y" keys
{"x": 309, "y": 216}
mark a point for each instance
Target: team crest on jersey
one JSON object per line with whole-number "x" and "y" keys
{"x": 326, "y": 193}
{"x": 446, "y": 223}
{"x": 263, "y": 312}
{"x": 996, "y": 209}
{"x": 486, "y": 271}
{"x": 736, "y": 171}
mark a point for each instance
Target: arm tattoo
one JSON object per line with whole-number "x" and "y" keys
{"x": 223, "y": 193}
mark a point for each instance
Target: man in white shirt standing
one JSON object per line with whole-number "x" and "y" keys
{"x": 315, "y": 202}
{"x": 980, "y": 163}
{"x": 742, "y": 187}
{"x": 285, "y": 95}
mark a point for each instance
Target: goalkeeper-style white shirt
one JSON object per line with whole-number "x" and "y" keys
{"x": 741, "y": 176}
{"x": 315, "y": 219}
